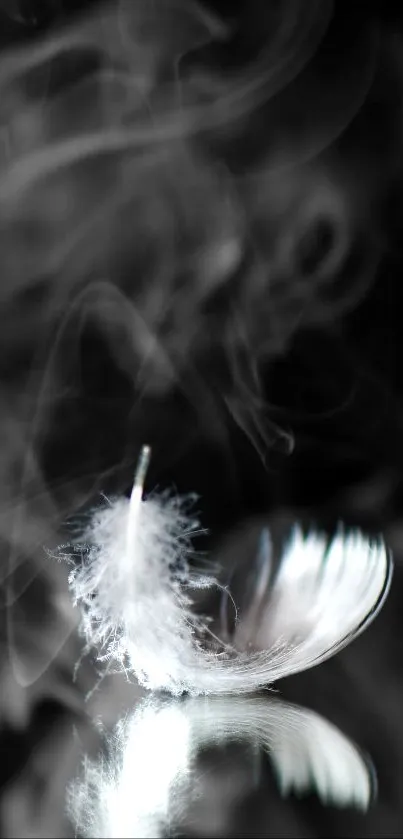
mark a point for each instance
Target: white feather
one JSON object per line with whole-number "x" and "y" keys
{"x": 134, "y": 584}
{"x": 146, "y": 783}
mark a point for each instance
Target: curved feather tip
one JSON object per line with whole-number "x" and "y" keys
{"x": 134, "y": 584}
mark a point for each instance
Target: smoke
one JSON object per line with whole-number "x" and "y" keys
{"x": 107, "y": 170}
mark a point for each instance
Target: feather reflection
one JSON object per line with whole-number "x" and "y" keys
{"x": 147, "y": 782}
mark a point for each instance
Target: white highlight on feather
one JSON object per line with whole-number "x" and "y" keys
{"x": 147, "y": 782}
{"x": 134, "y": 584}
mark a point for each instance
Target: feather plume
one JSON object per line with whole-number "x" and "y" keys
{"x": 134, "y": 584}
